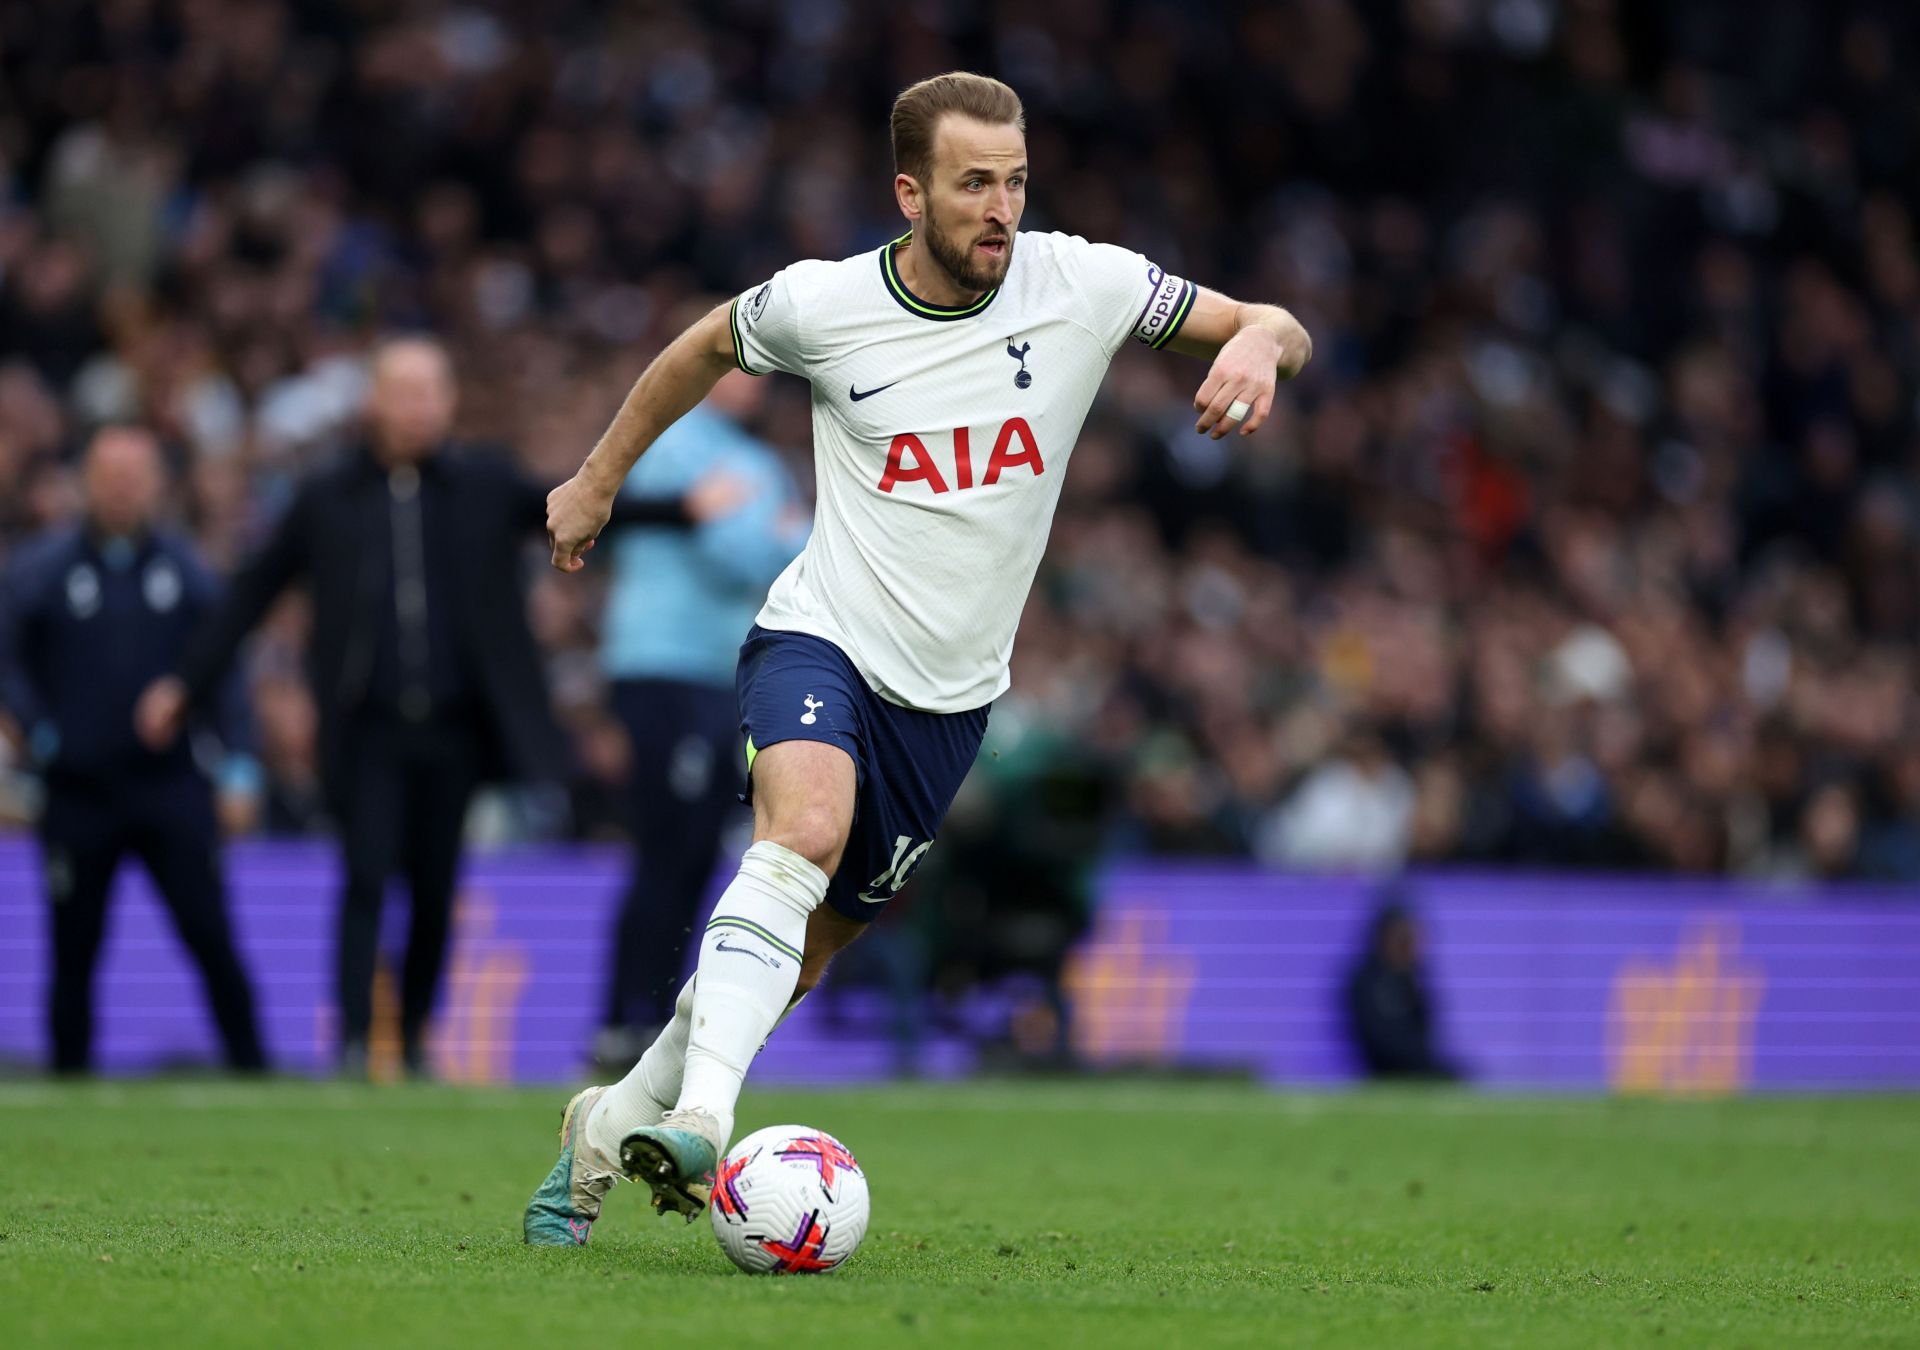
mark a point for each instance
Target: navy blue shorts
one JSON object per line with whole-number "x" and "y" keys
{"x": 908, "y": 765}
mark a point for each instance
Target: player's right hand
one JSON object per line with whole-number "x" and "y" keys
{"x": 577, "y": 511}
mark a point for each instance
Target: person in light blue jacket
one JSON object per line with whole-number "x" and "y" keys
{"x": 680, "y": 604}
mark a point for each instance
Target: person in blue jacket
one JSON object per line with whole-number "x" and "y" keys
{"x": 680, "y": 604}
{"x": 89, "y": 615}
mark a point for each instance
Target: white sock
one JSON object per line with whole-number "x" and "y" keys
{"x": 650, "y": 1087}
{"x": 749, "y": 965}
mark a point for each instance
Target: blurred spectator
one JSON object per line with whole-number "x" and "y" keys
{"x": 1354, "y": 811}
{"x": 89, "y": 614}
{"x": 679, "y": 603}
{"x": 420, "y": 661}
{"x": 1389, "y": 1004}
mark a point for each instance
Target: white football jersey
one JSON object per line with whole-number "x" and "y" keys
{"x": 941, "y": 436}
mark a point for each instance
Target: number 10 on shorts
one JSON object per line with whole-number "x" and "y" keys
{"x": 887, "y": 885}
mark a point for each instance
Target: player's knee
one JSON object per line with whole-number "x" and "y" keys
{"x": 816, "y": 833}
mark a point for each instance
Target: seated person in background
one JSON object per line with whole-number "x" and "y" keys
{"x": 1389, "y": 1009}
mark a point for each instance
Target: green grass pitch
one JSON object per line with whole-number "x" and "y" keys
{"x": 1005, "y": 1215}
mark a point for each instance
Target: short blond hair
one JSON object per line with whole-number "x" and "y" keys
{"x": 918, "y": 110}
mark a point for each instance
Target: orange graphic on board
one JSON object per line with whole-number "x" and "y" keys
{"x": 1686, "y": 1026}
{"x": 474, "y": 1040}
{"x": 1129, "y": 990}
{"x": 472, "y": 1037}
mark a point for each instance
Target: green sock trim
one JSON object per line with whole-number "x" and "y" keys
{"x": 747, "y": 925}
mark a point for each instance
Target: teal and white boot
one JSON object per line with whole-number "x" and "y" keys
{"x": 562, "y": 1211}
{"x": 676, "y": 1159}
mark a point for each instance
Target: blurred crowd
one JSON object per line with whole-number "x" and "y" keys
{"x": 1588, "y": 539}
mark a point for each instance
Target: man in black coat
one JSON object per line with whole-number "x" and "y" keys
{"x": 88, "y": 616}
{"x": 422, "y": 664}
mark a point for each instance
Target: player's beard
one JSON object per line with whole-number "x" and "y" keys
{"x": 968, "y": 270}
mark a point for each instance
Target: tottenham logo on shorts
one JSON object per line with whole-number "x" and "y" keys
{"x": 758, "y": 305}
{"x": 807, "y": 718}
{"x": 1023, "y": 379}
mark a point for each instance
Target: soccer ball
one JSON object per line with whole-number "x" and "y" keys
{"x": 789, "y": 1200}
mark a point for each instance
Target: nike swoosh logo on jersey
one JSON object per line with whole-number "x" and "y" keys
{"x": 856, "y": 395}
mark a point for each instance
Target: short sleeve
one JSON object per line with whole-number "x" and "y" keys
{"x": 1131, "y": 296}
{"x": 766, "y": 327}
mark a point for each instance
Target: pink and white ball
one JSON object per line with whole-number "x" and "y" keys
{"x": 789, "y": 1200}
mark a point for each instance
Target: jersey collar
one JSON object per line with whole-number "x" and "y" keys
{"x": 912, "y": 303}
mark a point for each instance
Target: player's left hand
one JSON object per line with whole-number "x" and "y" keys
{"x": 577, "y": 511}
{"x": 1245, "y": 372}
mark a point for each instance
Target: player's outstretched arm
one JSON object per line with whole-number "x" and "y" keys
{"x": 1253, "y": 348}
{"x": 666, "y": 391}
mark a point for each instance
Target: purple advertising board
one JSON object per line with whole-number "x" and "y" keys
{"x": 1542, "y": 981}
